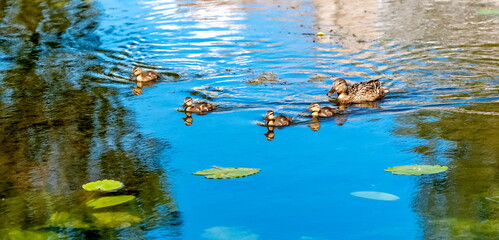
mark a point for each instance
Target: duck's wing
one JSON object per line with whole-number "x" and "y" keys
{"x": 209, "y": 106}
{"x": 283, "y": 120}
{"x": 327, "y": 112}
{"x": 204, "y": 107}
{"x": 367, "y": 91}
{"x": 152, "y": 75}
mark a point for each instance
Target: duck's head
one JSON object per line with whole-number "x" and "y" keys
{"x": 137, "y": 71}
{"x": 339, "y": 86}
{"x": 314, "y": 107}
{"x": 269, "y": 115}
{"x": 188, "y": 102}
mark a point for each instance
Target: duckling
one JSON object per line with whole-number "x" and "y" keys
{"x": 200, "y": 107}
{"x": 145, "y": 76}
{"x": 277, "y": 121}
{"x": 368, "y": 91}
{"x": 318, "y": 111}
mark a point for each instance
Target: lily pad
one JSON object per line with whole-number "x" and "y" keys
{"x": 486, "y": 11}
{"x": 417, "y": 169}
{"x": 493, "y": 199}
{"x": 109, "y": 201}
{"x": 376, "y": 195}
{"x": 105, "y": 185}
{"x": 115, "y": 219}
{"x": 219, "y": 173}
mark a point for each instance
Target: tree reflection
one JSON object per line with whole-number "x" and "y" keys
{"x": 457, "y": 207}
{"x": 59, "y": 130}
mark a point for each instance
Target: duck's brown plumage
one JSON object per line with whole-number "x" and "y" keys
{"x": 145, "y": 76}
{"x": 368, "y": 91}
{"x": 277, "y": 121}
{"x": 199, "y": 107}
{"x": 318, "y": 111}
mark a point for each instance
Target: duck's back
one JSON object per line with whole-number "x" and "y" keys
{"x": 327, "y": 112}
{"x": 152, "y": 75}
{"x": 203, "y": 107}
{"x": 367, "y": 91}
{"x": 283, "y": 120}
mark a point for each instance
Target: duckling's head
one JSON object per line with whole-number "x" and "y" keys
{"x": 137, "y": 71}
{"x": 188, "y": 102}
{"x": 269, "y": 115}
{"x": 314, "y": 107}
{"x": 339, "y": 86}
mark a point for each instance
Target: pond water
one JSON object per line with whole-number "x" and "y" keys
{"x": 69, "y": 116}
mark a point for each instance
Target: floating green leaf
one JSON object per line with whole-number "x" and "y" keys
{"x": 67, "y": 220}
{"x": 105, "y": 185}
{"x": 417, "y": 169}
{"x": 486, "y": 11}
{"x": 109, "y": 201}
{"x": 218, "y": 172}
{"x": 376, "y": 195}
{"x": 115, "y": 219}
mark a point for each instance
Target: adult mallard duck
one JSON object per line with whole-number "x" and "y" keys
{"x": 277, "y": 121}
{"x": 367, "y": 91}
{"x": 318, "y": 111}
{"x": 145, "y": 76}
{"x": 199, "y": 107}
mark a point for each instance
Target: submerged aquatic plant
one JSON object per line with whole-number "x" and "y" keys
{"x": 109, "y": 201}
{"x": 67, "y": 220}
{"x": 115, "y": 219}
{"x": 220, "y": 173}
{"x": 28, "y": 234}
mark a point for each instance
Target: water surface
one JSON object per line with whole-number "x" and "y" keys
{"x": 69, "y": 117}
